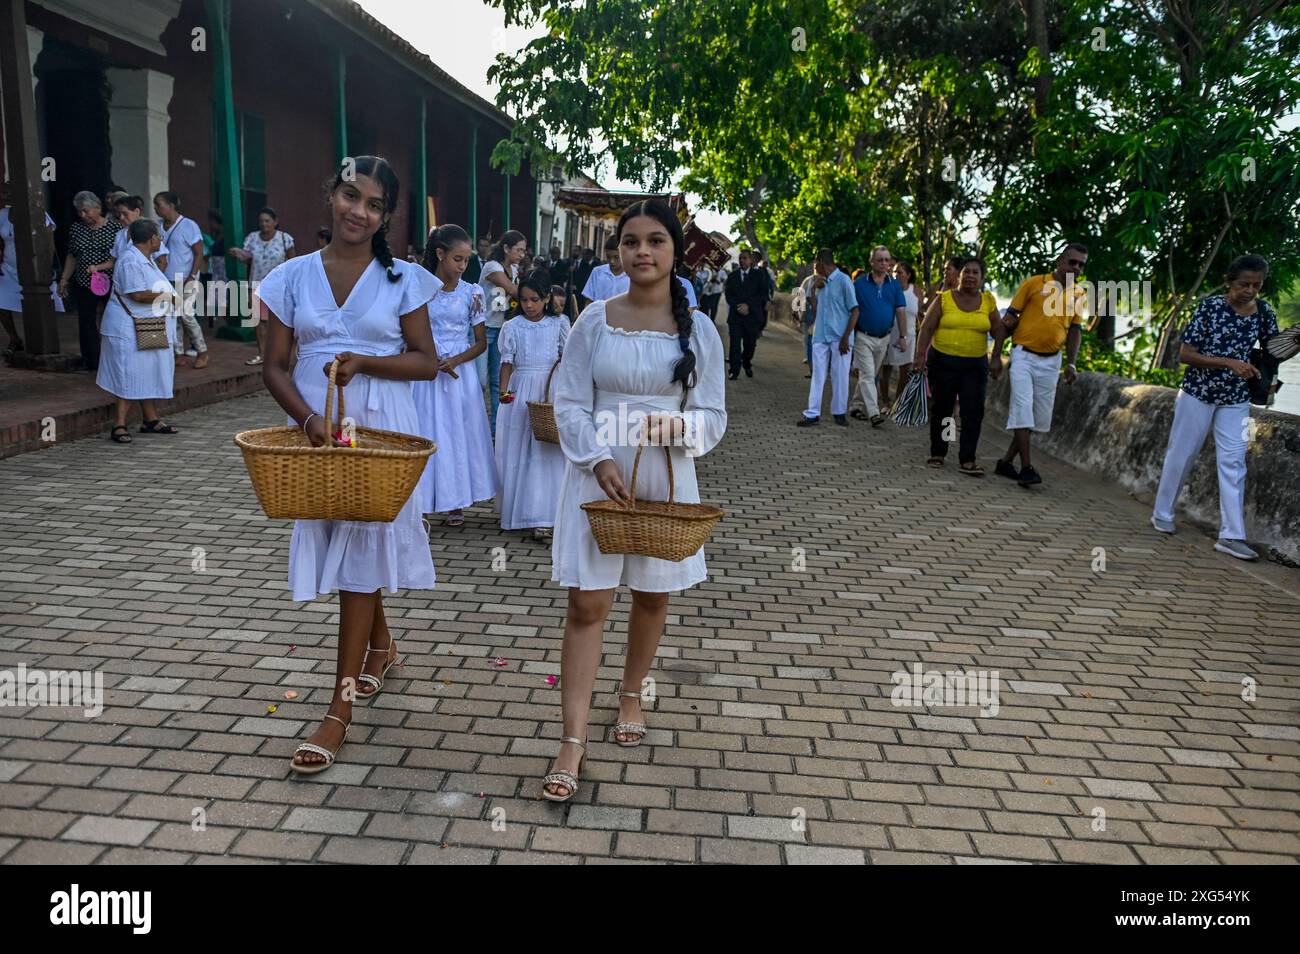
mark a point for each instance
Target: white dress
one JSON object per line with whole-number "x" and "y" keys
{"x": 11, "y": 291}
{"x": 124, "y": 370}
{"x": 894, "y": 357}
{"x": 451, "y": 410}
{"x": 530, "y": 470}
{"x": 608, "y": 378}
{"x": 329, "y": 555}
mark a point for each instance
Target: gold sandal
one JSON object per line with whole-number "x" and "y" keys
{"x": 629, "y": 728}
{"x": 311, "y": 768}
{"x": 560, "y": 777}
{"x": 377, "y": 681}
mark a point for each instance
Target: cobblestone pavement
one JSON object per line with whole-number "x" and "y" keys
{"x": 1146, "y": 712}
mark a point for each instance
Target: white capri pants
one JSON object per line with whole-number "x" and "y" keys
{"x": 1193, "y": 419}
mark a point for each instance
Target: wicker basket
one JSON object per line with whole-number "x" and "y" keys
{"x": 370, "y": 481}
{"x": 541, "y": 414}
{"x": 653, "y": 528}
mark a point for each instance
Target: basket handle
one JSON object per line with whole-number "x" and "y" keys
{"x": 636, "y": 465}
{"x": 547, "y": 392}
{"x": 335, "y": 425}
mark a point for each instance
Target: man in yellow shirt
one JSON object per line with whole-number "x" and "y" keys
{"x": 1045, "y": 314}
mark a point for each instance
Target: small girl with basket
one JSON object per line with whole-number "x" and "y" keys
{"x": 351, "y": 302}
{"x": 642, "y": 356}
{"x": 531, "y": 470}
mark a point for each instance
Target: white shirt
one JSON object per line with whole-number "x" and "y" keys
{"x": 178, "y": 243}
{"x": 604, "y": 285}
{"x": 495, "y": 298}
{"x": 10, "y": 266}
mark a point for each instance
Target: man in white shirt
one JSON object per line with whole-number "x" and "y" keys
{"x": 606, "y": 280}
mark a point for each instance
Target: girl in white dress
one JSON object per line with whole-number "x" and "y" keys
{"x": 353, "y": 302}
{"x": 450, "y": 407}
{"x": 125, "y": 371}
{"x": 531, "y": 470}
{"x": 641, "y": 358}
{"x": 894, "y": 356}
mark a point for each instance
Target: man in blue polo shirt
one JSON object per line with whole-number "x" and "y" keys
{"x": 881, "y": 306}
{"x": 832, "y": 346}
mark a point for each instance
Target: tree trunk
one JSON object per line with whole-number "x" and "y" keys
{"x": 1036, "y": 14}
{"x": 751, "y": 210}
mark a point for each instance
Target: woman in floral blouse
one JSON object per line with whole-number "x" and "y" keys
{"x": 1216, "y": 349}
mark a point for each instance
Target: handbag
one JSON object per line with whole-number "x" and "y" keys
{"x": 151, "y": 332}
{"x": 1261, "y": 386}
{"x": 100, "y": 284}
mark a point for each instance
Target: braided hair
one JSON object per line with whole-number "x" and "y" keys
{"x": 657, "y": 209}
{"x": 443, "y": 238}
{"x": 378, "y": 169}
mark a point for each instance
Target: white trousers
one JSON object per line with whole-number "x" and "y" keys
{"x": 869, "y": 355}
{"x": 1193, "y": 419}
{"x": 826, "y": 358}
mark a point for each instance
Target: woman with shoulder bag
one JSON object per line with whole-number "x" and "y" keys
{"x": 135, "y": 361}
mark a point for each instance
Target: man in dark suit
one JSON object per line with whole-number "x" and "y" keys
{"x": 581, "y": 272}
{"x": 746, "y": 294}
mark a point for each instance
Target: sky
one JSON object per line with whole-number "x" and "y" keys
{"x": 463, "y": 37}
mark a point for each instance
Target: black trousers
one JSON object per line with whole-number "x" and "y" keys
{"x": 709, "y": 305}
{"x": 88, "y": 308}
{"x": 952, "y": 378}
{"x": 744, "y": 330}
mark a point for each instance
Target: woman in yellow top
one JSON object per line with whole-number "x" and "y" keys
{"x": 956, "y": 331}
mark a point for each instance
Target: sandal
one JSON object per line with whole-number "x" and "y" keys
{"x": 637, "y": 729}
{"x": 560, "y": 777}
{"x": 972, "y": 470}
{"x": 156, "y": 426}
{"x": 311, "y": 768}
{"x": 377, "y": 681}
{"x": 454, "y": 519}
{"x": 542, "y": 535}
{"x": 123, "y": 438}
{"x": 935, "y": 462}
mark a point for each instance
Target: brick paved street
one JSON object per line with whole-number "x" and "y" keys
{"x": 1121, "y": 736}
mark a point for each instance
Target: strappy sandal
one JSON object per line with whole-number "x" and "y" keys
{"x": 156, "y": 426}
{"x": 629, "y": 728}
{"x": 377, "y": 681}
{"x": 122, "y": 438}
{"x": 560, "y": 777}
{"x": 541, "y": 535}
{"x": 972, "y": 470}
{"x": 935, "y": 462}
{"x": 309, "y": 768}
{"x": 454, "y": 519}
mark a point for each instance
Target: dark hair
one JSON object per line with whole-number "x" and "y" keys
{"x": 539, "y": 281}
{"x": 512, "y": 237}
{"x": 911, "y": 272}
{"x": 325, "y": 234}
{"x": 1247, "y": 263}
{"x": 378, "y": 169}
{"x": 142, "y": 230}
{"x": 977, "y": 260}
{"x": 825, "y": 256}
{"x": 657, "y": 209}
{"x": 133, "y": 202}
{"x": 1075, "y": 247}
{"x": 550, "y": 302}
{"x": 611, "y": 243}
{"x": 957, "y": 261}
{"x": 443, "y": 237}
{"x": 267, "y": 210}
{"x": 171, "y": 198}
{"x": 589, "y": 251}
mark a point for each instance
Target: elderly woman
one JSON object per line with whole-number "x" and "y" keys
{"x": 263, "y": 250}
{"x": 90, "y": 249}
{"x": 1214, "y": 395}
{"x": 140, "y": 290}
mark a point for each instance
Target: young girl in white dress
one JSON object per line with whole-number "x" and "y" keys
{"x": 451, "y": 407}
{"x": 894, "y": 356}
{"x": 643, "y": 355}
{"x": 531, "y": 470}
{"x": 353, "y": 302}
{"x": 125, "y": 371}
